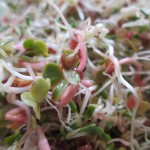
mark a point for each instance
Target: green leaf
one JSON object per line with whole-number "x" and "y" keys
{"x": 71, "y": 76}
{"x": 89, "y": 112}
{"x": 72, "y": 22}
{"x": 103, "y": 94}
{"x": 40, "y": 89}
{"x": 106, "y": 137}
{"x": 27, "y": 20}
{"x": 26, "y": 58}
{"x": 58, "y": 90}
{"x": 109, "y": 125}
{"x": 110, "y": 147}
{"x": 92, "y": 130}
{"x": 28, "y": 100}
{"x": 40, "y": 48}
{"x": 9, "y": 140}
{"x": 73, "y": 106}
{"x": 53, "y": 72}
{"x": 28, "y": 43}
{"x": 35, "y": 47}
{"x": 100, "y": 77}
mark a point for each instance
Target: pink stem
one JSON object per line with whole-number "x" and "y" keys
{"x": 68, "y": 94}
{"x": 38, "y": 66}
{"x": 128, "y": 60}
{"x": 87, "y": 83}
{"x": 11, "y": 99}
{"x": 138, "y": 67}
{"x": 71, "y": 89}
{"x": 15, "y": 115}
{"x": 42, "y": 140}
{"x": 19, "y": 46}
{"x": 83, "y": 57}
{"x": 82, "y": 52}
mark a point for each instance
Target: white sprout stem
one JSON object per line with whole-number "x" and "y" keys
{"x": 102, "y": 88}
{"x": 91, "y": 64}
{"x": 80, "y": 13}
{"x": 19, "y": 90}
{"x": 9, "y": 81}
{"x": 135, "y": 72}
{"x": 78, "y": 47}
{"x": 124, "y": 82}
{"x": 119, "y": 140}
{"x": 15, "y": 73}
{"x": 98, "y": 109}
{"x": 133, "y": 61}
{"x": 59, "y": 115}
{"x": 30, "y": 70}
{"x": 69, "y": 114}
{"x": 146, "y": 52}
{"x": 99, "y": 52}
{"x": 62, "y": 17}
{"x": 20, "y": 69}
{"x": 16, "y": 90}
{"x": 143, "y": 58}
{"x": 85, "y": 101}
{"x": 111, "y": 94}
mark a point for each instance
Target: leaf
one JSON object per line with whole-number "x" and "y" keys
{"x": 71, "y": 76}
{"x": 104, "y": 95}
{"x": 58, "y": 90}
{"x": 110, "y": 147}
{"x": 100, "y": 77}
{"x": 73, "y": 106}
{"x": 40, "y": 48}
{"x": 26, "y": 58}
{"x": 93, "y": 130}
{"x": 28, "y": 43}
{"x": 52, "y": 71}
{"x": 35, "y": 47}
{"x": 40, "y": 89}
{"x": 106, "y": 137}
{"x": 28, "y": 100}
{"x": 9, "y": 140}
{"x": 69, "y": 60}
{"x": 89, "y": 112}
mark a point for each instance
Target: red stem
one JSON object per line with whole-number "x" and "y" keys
{"x": 16, "y": 115}
{"x": 68, "y": 94}
{"x": 71, "y": 89}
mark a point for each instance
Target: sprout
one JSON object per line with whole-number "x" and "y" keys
{"x": 39, "y": 89}
{"x": 28, "y": 100}
{"x": 69, "y": 60}
{"x": 59, "y": 90}
{"x": 52, "y": 71}
{"x": 35, "y": 47}
{"x": 71, "y": 76}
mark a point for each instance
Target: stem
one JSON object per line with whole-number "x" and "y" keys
{"x": 42, "y": 140}
{"x": 68, "y": 94}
